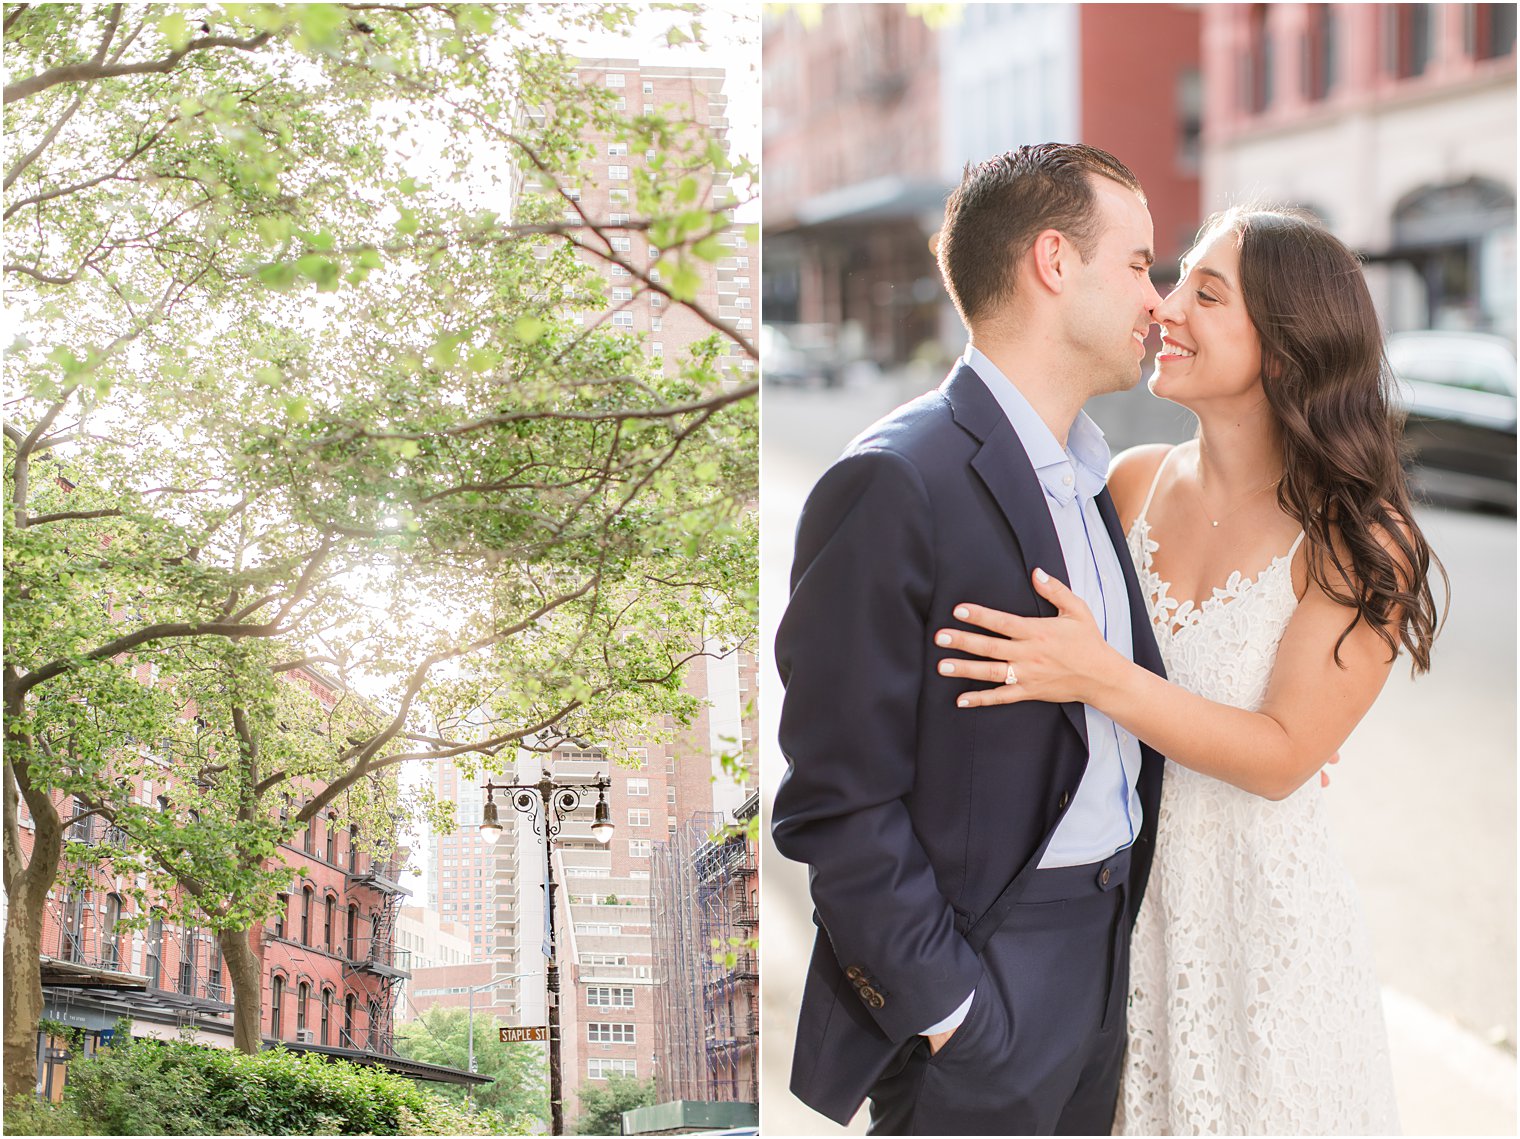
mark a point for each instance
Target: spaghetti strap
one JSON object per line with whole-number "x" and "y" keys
{"x": 1293, "y": 549}
{"x": 1155, "y": 480}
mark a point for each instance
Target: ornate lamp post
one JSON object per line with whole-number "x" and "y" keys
{"x": 548, "y": 804}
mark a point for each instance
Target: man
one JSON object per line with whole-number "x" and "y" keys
{"x": 975, "y": 872}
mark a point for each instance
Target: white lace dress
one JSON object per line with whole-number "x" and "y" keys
{"x": 1254, "y": 1008}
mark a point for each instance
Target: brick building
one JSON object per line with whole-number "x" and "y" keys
{"x": 871, "y": 115}
{"x": 1395, "y": 123}
{"x": 328, "y": 963}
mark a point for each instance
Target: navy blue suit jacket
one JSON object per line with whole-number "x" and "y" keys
{"x": 913, "y": 814}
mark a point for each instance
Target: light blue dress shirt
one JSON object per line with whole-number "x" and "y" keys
{"x": 1104, "y": 816}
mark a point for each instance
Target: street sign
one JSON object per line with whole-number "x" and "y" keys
{"x": 518, "y": 1035}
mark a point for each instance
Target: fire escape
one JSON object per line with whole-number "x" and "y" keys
{"x": 378, "y": 962}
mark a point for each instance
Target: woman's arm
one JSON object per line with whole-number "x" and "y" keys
{"x": 1311, "y": 706}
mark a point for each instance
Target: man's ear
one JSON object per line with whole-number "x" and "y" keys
{"x": 1050, "y": 258}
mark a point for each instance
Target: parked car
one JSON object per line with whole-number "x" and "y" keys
{"x": 1456, "y": 391}
{"x": 798, "y": 354}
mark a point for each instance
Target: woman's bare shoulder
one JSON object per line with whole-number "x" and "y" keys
{"x": 1130, "y": 476}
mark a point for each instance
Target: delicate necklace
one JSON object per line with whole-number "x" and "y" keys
{"x": 1214, "y": 522}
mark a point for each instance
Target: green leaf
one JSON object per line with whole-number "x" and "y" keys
{"x": 483, "y": 360}
{"x": 686, "y": 282}
{"x": 175, "y": 30}
{"x": 528, "y": 329}
{"x": 710, "y": 248}
{"x": 408, "y": 222}
{"x": 298, "y": 408}
{"x": 686, "y": 191}
{"x": 280, "y": 276}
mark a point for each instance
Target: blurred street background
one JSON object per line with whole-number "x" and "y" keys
{"x": 1395, "y": 124}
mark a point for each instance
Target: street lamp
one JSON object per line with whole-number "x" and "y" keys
{"x": 548, "y": 803}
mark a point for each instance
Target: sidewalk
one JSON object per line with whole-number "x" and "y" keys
{"x": 1448, "y": 1080}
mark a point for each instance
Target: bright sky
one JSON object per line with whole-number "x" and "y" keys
{"x": 731, "y": 29}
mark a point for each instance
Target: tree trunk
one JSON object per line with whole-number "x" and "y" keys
{"x": 27, "y": 882}
{"x": 23, "y": 996}
{"x": 247, "y": 973}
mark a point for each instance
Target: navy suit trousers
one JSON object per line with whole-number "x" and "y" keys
{"x": 1041, "y": 1048}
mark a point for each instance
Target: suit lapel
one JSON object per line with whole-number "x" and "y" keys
{"x": 1006, "y": 471}
{"x": 1142, "y": 635}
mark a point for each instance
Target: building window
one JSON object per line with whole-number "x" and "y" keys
{"x": 303, "y": 991}
{"x": 648, "y": 87}
{"x": 617, "y": 150}
{"x": 214, "y": 974}
{"x": 600, "y": 1067}
{"x": 155, "y": 952}
{"x": 332, "y": 840}
{"x": 1319, "y": 52}
{"x": 326, "y": 1013}
{"x": 353, "y": 848}
{"x": 616, "y": 79}
{"x": 353, "y": 932}
{"x": 618, "y": 219}
{"x": 1407, "y": 29}
{"x": 638, "y": 848}
{"x": 609, "y": 996}
{"x": 601, "y": 1033}
{"x": 112, "y": 934}
{"x": 744, "y": 324}
{"x": 656, "y": 349}
{"x": 190, "y": 940}
{"x": 277, "y": 1008}
{"x": 306, "y": 916}
{"x": 656, "y": 324}
{"x": 670, "y": 795}
{"x": 310, "y": 842}
{"x": 622, "y": 245}
{"x": 743, "y": 302}
{"x": 1490, "y": 30}
{"x": 622, "y": 294}
{"x": 638, "y": 817}
{"x": 1256, "y": 69}
{"x": 638, "y": 786}
{"x": 617, "y": 173}
{"x": 327, "y": 923}
{"x": 622, "y": 320}
{"x": 348, "y": 1022}
{"x": 376, "y": 1030}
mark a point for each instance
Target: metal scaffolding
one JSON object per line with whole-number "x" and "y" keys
{"x": 704, "y": 918}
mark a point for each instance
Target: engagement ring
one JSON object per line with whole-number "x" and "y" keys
{"x": 1012, "y": 678}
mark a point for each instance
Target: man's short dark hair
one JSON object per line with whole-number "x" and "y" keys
{"x": 1002, "y": 204}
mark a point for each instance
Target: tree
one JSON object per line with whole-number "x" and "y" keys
{"x": 519, "y": 1091}
{"x": 602, "y": 1108}
{"x": 285, "y": 394}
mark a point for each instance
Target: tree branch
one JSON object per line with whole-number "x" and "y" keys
{"x": 89, "y": 72}
{"x": 65, "y": 515}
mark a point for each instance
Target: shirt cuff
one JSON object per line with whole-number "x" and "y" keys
{"x": 954, "y": 1020}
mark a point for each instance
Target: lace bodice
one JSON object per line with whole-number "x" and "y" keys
{"x": 1254, "y": 1006}
{"x": 1224, "y": 648}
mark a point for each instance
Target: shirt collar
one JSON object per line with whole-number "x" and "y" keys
{"x": 1085, "y": 457}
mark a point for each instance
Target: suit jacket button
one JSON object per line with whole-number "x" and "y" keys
{"x": 855, "y": 973}
{"x": 1104, "y": 876}
{"x": 1065, "y": 798}
{"x": 875, "y": 1000}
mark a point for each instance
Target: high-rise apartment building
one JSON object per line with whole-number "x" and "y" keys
{"x": 495, "y": 892}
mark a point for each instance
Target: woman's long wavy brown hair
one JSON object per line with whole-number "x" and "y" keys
{"x": 1328, "y": 383}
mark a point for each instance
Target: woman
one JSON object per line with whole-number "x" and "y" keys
{"x": 1284, "y": 571}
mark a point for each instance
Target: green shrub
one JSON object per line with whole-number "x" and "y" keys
{"x": 148, "y": 1087}
{"x": 28, "y": 1115}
